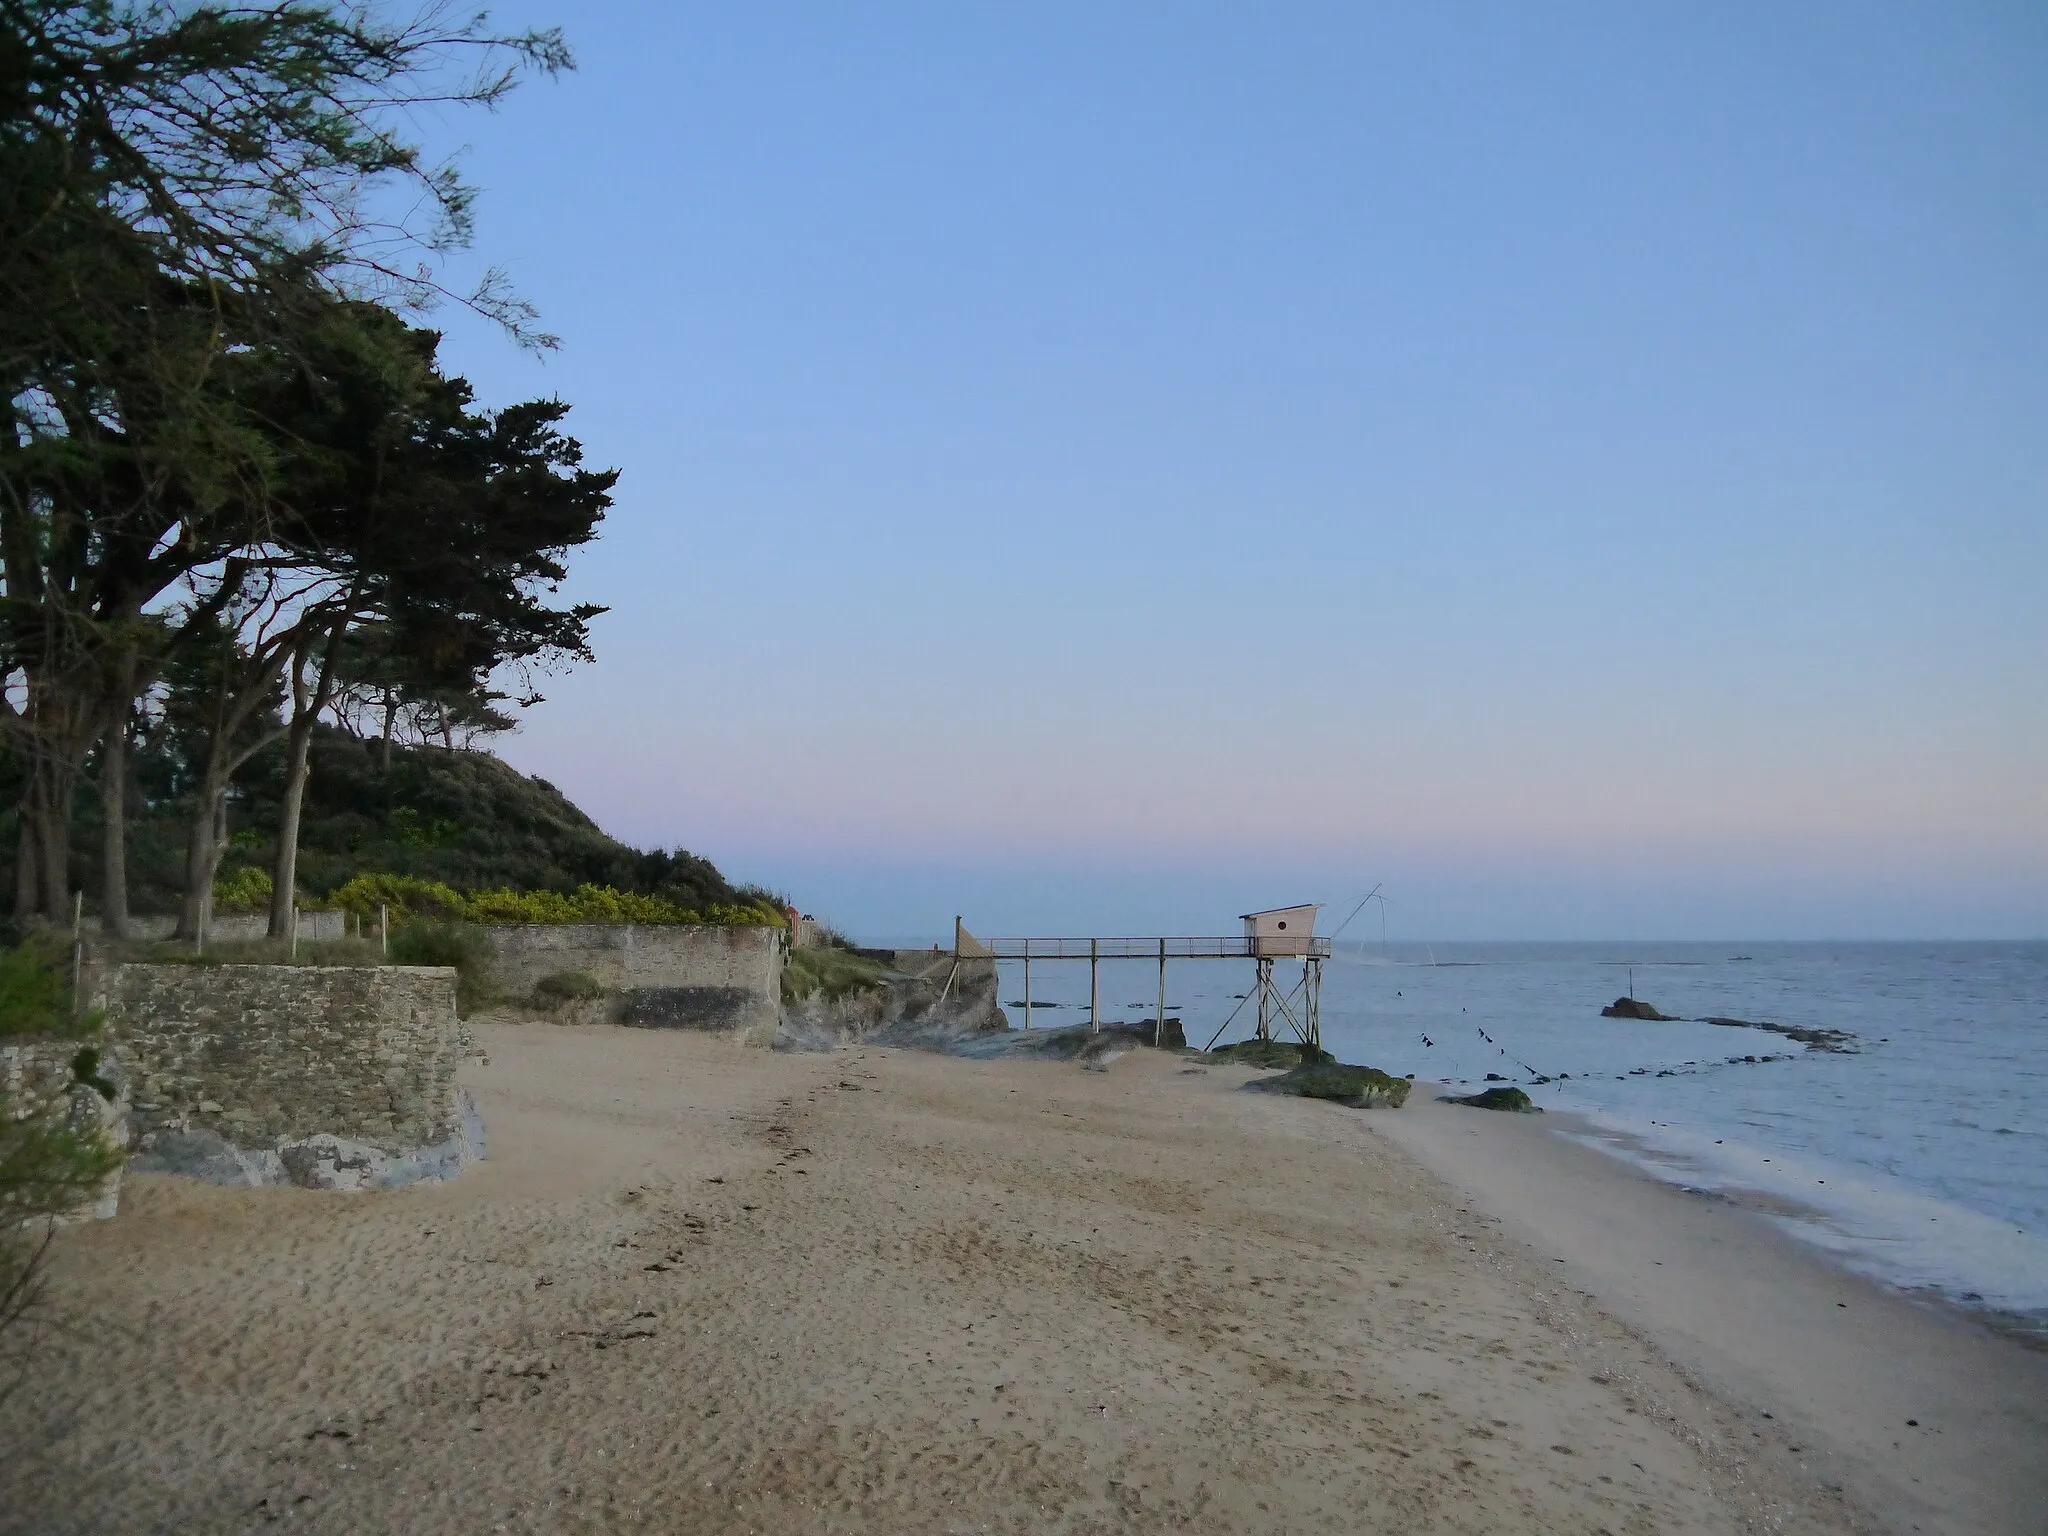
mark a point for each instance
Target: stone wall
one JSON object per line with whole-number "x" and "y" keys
{"x": 37, "y": 1079}
{"x": 661, "y": 976}
{"x": 248, "y": 927}
{"x": 329, "y": 1077}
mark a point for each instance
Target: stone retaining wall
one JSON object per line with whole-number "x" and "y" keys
{"x": 330, "y": 1077}
{"x": 37, "y": 1079}
{"x": 663, "y": 977}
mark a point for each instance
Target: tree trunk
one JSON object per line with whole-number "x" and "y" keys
{"x": 284, "y": 874}
{"x": 63, "y": 724}
{"x": 52, "y": 812}
{"x": 384, "y": 746}
{"x": 27, "y": 884}
{"x": 205, "y": 841}
{"x": 306, "y": 706}
{"x": 114, "y": 820}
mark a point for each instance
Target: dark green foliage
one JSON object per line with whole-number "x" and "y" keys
{"x": 35, "y": 993}
{"x": 566, "y": 987}
{"x": 456, "y": 944}
{"x": 85, "y": 1068}
{"x": 1512, "y": 1099}
{"x": 465, "y": 818}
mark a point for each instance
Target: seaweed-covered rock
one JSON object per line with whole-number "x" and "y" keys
{"x": 1512, "y": 1099}
{"x": 1360, "y": 1087}
{"x": 1268, "y": 1053}
{"x": 1635, "y": 1008}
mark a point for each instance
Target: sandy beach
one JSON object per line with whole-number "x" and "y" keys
{"x": 698, "y": 1287}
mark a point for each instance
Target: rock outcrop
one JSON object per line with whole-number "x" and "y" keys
{"x": 1511, "y": 1099}
{"x": 1635, "y": 1008}
{"x": 1359, "y": 1087}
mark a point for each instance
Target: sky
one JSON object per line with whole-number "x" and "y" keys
{"x": 1104, "y": 468}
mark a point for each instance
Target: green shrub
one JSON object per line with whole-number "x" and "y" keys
{"x": 834, "y": 973}
{"x": 51, "y": 1164}
{"x": 35, "y": 993}
{"x": 456, "y": 944}
{"x": 243, "y": 890}
{"x": 406, "y": 896}
{"x": 566, "y": 987}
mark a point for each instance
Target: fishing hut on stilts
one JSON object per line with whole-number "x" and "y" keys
{"x": 1281, "y": 934}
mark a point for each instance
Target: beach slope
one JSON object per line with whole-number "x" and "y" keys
{"x": 697, "y": 1288}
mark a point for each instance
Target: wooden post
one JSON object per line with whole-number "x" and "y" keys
{"x": 1027, "y": 983}
{"x": 384, "y": 927}
{"x": 1094, "y": 987}
{"x": 1313, "y": 1006}
{"x": 1159, "y": 1030}
{"x": 295, "y": 930}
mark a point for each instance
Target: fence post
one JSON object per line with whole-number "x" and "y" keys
{"x": 384, "y": 927}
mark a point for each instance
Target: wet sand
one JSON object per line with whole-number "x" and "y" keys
{"x": 696, "y": 1287}
{"x": 1932, "y": 1421}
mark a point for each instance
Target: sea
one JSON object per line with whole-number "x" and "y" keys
{"x": 1915, "y": 1153}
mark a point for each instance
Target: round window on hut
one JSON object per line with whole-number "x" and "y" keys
{"x": 1283, "y": 922}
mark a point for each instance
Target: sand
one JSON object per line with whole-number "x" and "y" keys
{"x": 697, "y": 1287}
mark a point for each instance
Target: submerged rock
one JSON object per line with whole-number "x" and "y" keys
{"x": 1812, "y": 1039}
{"x": 1635, "y": 1008}
{"x": 1496, "y": 1098}
{"x": 1359, "y": 1087}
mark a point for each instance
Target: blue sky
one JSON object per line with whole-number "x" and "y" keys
{"x": 1105, "y": 467}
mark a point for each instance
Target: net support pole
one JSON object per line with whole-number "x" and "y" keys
{"x": 1027, "y": 983}
{"x": 1159, "y": 1030}
{"x": 1094, "y": 986}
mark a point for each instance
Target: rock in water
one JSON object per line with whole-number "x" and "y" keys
{"x": 1497, "y": 1098}
{"x": 1633, "y": 1008}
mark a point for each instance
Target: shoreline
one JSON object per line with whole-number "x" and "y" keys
{"x": 1806, "y": 1222}
{"x": 1769, "y": 1322}
{"x": 695, "y": 1285}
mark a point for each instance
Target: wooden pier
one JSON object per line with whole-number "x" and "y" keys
{"x": 1287, "y": 933}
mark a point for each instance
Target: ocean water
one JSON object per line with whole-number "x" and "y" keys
{"x": 1918, "y": 1156}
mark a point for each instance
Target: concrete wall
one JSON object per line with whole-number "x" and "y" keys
{"x": 663, "y": 977}
{"x": 327, "y": 1077}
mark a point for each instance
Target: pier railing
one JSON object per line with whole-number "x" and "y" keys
{"x": 1228, "y": 947}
